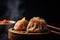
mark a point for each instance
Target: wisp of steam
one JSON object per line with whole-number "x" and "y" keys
{"x": 13, "y": 12}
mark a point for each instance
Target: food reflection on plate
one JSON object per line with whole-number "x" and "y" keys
{"x": 35, "y": 25}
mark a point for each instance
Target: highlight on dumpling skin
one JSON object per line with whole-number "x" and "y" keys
{"x": 21, "y": 24}
{"x": 36, "y": 24}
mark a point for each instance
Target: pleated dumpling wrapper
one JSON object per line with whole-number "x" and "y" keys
{"x": 36, "y": 24}
{"x": 21, "y": 24}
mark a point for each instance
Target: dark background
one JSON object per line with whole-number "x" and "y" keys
{"x": 33, "y": 8}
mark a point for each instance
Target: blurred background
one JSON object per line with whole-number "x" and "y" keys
{"x": 17, "y": 9}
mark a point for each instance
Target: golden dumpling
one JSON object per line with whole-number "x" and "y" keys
{"x": 21, "y": 24}
{"x": 36, "y": 24}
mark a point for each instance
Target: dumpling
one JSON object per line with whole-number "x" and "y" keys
{"x": 36, "y": 24}
{"x": 21, "y": 24}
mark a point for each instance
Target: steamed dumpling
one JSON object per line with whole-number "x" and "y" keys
{"x": 21, "y": 24}
{"x": 36, "y": 24}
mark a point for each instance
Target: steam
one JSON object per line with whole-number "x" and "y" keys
{"x": 13, "y": 12}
